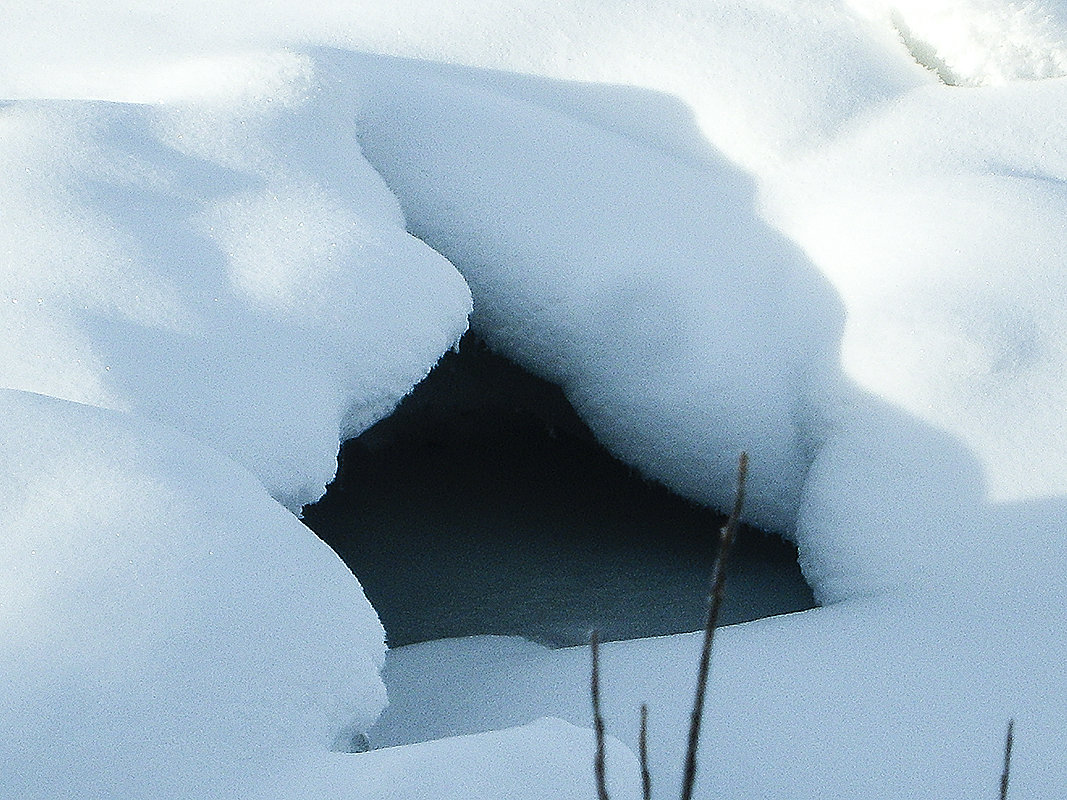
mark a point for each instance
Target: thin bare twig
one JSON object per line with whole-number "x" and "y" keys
{"x": 598, "y": 721}
{"x": 718, "y": 583}
{"x": 1007, "y": 760}
{"x": 646, "y": 775}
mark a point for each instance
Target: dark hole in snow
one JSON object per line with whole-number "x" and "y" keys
{"x": 483, "y": 505}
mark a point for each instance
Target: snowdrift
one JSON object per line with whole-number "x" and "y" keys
{"x": 165, "y": 621}
{"x": 829, "y": 233}
{"x": 231, "y": 267}
{"x": 880, "y": 699}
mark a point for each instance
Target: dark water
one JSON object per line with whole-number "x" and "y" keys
{"x": 483, "y": 505}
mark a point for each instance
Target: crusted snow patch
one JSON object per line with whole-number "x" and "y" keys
{"x": 980, "y": 42}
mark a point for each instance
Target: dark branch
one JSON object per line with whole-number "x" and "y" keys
{"x": 598, "y": 721}
{"x": 646, "y": 775}
{"x": 718, "y": 583}
{"x": 1007, "y": 760}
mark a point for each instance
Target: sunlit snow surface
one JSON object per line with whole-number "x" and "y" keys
{"x": 232, "y": 267}
{"x": 752, "y": 224}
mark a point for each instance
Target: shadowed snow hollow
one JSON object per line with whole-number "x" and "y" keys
{"x": 682, "y": 328}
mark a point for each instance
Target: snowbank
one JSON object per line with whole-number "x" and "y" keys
{"x": 757, "y": 224}
{"x": 921, "y": 313}
{"x": 940, "y": 223}
{"x": 877, "y": 700}
{"x": 164, "y": 621}
{"x": 547, "y": 759}
{"x": 230, "y": 266}
{"x": 979, "y": 42}
{"x": 681, "y": 326}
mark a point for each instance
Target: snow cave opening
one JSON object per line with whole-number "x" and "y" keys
{"x": 483, "y": 505}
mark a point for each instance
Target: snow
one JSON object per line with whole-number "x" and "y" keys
{"x": 164, "y": 619}
{"x": 948, "y": 262}
{"x": 761, "y": 224}
{"x": 547, "y": 758}
{"x": 231, "y": 267}
{"x": 980, "y": 42}
{"x": 884, "y": 698}
{"x": 660, "y": 311}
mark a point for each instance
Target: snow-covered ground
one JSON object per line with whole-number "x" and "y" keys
{"x": 829, "y": 232}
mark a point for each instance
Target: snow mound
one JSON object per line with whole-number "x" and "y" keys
{"x": 546, "y": 758}
{"x": 681, "y": 326}
{"x": 940, "y": 222}
{"x": 163, "y": 619}
{"x": 876, "y": 306}
{"x": 874, "y": 700}
{"x": 230, "y": 266}
{"x": 764, "y": 228}
{"x": 752, "y": 224}
{"x": 980, "y": 42}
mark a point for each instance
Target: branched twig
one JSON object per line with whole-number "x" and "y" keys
{"x": 646, "y": 776}
{"x": 718, "y": 582}
{"x": 1007, "y": 760}
{"x": 598, "y": 720}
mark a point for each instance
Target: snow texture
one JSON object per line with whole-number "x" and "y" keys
{"x": 164, "y": 621}
{"x": 232, "y": 267}
{"x": 980, "y": 42}
{"x": 778, "y": 225}
{"x": 547, "y": 758}
{"x": 677, "y": 321}
{"x": 873, "y": 700}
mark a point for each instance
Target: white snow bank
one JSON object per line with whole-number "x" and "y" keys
{"x": 681, "y": 326}
{"x": 545, "y": 760}
{"x": 660, "y": 295}
{"x": 657, "y": 290}
{"x": 162, "y": 620}
{"x": 935, "y": 217}
{"x": 940, "y": 222}
{"x": 980, "y": 42}
{"x": 872, "y": 701}
{"x": 230, "y": 266}
{"x": 761, "y": 76}
{"x": 872, "y": 307}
